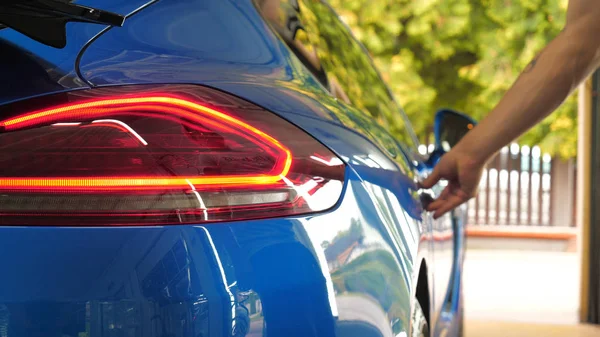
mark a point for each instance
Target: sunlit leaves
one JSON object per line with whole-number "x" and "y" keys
{"x": 462, "y": 54}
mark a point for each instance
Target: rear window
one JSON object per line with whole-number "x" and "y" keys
{"x": 327, "y": 48}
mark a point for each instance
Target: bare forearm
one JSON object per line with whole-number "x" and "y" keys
{"x": 540, "y": 89}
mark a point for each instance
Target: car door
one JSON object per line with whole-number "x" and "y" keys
{"x": 342, "y": 66}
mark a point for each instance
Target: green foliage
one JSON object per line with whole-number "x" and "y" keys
{"x": 462, "y": 54}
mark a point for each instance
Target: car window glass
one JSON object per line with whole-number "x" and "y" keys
{"x": 324, "y": 44}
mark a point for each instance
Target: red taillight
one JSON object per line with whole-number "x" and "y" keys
{"x": 169, "y": 154}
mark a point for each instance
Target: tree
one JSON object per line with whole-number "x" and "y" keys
{"x": 461, "y": 54}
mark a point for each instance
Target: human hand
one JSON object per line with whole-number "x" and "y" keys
{"x": 463, "y": 173}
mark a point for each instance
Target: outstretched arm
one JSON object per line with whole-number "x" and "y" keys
{"x": 541, "y": 88}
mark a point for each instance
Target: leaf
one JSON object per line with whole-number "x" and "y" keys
{"x": 462, "y": 54}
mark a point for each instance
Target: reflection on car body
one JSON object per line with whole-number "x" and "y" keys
{"x": 364, "y": 265}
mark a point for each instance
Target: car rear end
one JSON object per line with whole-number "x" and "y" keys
{"x": 154, "y": 210}
{"x": 177, "y": 209}
{"x": 159, "y": 210}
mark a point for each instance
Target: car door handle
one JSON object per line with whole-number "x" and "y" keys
{"x": 426, "y": 197}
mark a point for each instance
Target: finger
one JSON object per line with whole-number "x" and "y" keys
{"x": 435, "y": 205}
{"x": 447, "y": 192}
{"x": 450, "y": 204}
{"x": 431, "y": 180}
{"x": 441, "y": 199}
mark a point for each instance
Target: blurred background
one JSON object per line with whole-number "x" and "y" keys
{"x": 524, "y": 256}
{"x": 461, "y": 54}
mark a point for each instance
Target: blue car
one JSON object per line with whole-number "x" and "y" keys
{"x": 213, "y": 168}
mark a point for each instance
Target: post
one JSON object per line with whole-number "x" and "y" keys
{"x": 519, "y": 188}
{"x": 584, "y": 165}
{"x": 562, "y": 190}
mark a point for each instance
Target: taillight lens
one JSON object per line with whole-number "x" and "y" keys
{"x": 157, "y": 155}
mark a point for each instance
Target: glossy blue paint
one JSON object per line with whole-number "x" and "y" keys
{"x": 47, "y": 69}
{"x": 194, "y": 279}
{"x": 214, "y": 40}
{"x": 351, "y": 271}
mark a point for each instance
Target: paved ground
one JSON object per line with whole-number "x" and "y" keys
{"x": 494, "y": 329}
{"x": 521, "y": 286}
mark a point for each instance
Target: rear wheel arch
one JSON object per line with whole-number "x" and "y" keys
{"x": 422, "y": 290}
{"x": 357, "y": 329}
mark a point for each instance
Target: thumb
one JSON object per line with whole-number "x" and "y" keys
{"x": 432, "y": 179}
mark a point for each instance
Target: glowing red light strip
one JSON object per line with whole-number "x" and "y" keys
{"x": 122, "y": 126}
{"x": 169, "y": 106}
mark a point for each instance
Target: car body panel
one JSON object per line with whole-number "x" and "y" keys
{"x": 240, "y": 51}
{"x": 50, "y": 69}
{"x": 361, "y": 260}
{"x": 116, "y": 281}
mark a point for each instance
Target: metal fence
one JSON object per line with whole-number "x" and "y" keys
{"x": 522, "y": 186}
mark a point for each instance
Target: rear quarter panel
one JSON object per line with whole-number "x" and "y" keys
{"x": 227, "y": 45}
{"x": 346, "y": 273}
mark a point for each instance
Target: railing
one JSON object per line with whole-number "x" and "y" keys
{"x": 523, "y": 187}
